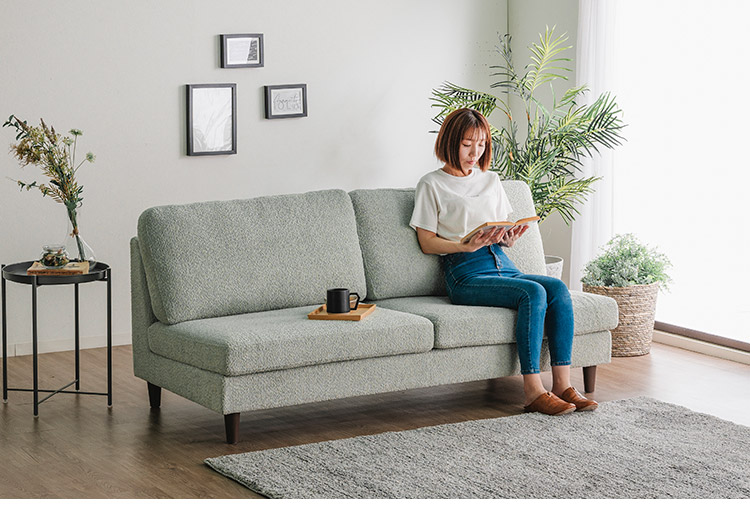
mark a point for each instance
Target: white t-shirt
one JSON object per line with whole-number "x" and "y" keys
{"x": 452, "y": 206}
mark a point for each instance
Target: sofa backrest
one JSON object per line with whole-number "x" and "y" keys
{"x": 230, "y": 257}
{"x": 528, "y": 252}
{"x": 395, "y": 265}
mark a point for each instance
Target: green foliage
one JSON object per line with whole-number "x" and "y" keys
{"x": 558, "y": 137}
{"x": 627, "y": 262}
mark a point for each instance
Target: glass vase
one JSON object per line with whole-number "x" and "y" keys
{"x": 54, "y": 255}
{"x": 77, "y": 248}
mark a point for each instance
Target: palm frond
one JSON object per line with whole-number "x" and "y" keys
{"x": 562, "y": 195}
{"x": 558, "y": 136}
{"x": 450, "y": 97}
{"x": 546, "y": 61}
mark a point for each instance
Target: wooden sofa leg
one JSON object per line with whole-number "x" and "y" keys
{"x": 232, "y": 426}
{"x": 154, "y": 395}
{"x": 589, "y": 378}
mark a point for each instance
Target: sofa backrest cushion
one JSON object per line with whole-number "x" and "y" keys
{"x": 395, "y": 265}
{"x": 223, "y": 258}
{"x": 528, "y": 252}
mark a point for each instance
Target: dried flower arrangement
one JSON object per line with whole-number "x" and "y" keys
{"x": 42, "y": 146}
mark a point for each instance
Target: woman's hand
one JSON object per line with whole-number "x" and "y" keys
{"x": 485, "y": 238}
{"x": 511, "y": 235}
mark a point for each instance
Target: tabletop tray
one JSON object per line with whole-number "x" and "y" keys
{"x": 71, "y": 269}
{"x": 362, "y": 311}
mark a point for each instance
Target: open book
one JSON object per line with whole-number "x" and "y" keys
{"x": 499, "y": 224}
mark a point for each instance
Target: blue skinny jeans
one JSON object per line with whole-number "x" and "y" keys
{"x": 487, "y": 277}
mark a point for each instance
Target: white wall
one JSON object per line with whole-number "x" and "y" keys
{"x": 117, "y": 70}
{"x": 526, "y": 20}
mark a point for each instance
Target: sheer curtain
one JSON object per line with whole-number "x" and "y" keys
{"x": 680, "y": 181}
{"x": 595, "y": 66}
{"x": 682, "y": 176}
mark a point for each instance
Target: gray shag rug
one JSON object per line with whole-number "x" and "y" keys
{"x": 635, "y": 448}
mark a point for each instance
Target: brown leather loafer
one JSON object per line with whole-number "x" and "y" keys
{"x": 583, "y": 404}
{"x": 550, "y": 404}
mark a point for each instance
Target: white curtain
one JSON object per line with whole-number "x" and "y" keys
{"x": 595, "y": 67}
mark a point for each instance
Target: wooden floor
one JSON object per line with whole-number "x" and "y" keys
{"x": 78, "y": 448}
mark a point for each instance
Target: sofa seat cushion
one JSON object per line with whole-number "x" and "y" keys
{"x": 457, "y": 326}
{"x": 593, "y": 313}
{"x": 286, "y": 338}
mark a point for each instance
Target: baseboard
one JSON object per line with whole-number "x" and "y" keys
{"x": 63, "y": 345}
{"x": 703, "y": 347}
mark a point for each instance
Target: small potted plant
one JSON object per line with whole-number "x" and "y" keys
{"x": 631, "y": 273}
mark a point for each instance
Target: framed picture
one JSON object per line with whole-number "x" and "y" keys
{"x": 241, "y": 50}
{"x": 212, "y": 119}
{"x": 286, "y": 101}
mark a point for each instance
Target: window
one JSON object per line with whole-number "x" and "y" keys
{"x": 682, "y": 179}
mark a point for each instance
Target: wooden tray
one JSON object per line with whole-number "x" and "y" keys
{"x": 71, "y": 269}
{"x": 362, "y": 311}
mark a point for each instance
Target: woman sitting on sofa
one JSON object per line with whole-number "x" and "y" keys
{"x": 450, "y": 202}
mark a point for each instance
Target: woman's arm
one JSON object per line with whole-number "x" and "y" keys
{"x": 432, "y": 244}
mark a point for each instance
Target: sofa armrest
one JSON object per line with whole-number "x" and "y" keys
{"x": 142, "y": 316}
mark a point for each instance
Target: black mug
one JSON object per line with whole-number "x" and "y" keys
{"x": 338, "y": 300}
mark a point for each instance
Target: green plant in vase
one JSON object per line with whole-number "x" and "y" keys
{"x": 42, "y": 146}
{"x": 558, "y": 135}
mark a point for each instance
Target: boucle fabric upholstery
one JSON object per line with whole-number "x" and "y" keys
{"x": 286, "y": 338}
{"x": 220, "y": 298}
{"x": 395, "y": 265}
{"x": 142, "y": 315}
{"x": 528, "y": 252}
{"x": 231, "y": 257}
{"x": 394, "y": 373}
{"x": 273, "y": 389}
{"x": 457, "y": 326}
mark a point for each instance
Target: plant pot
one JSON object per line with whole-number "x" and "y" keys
{"x": 554, "y": 266}
{"x": 636, "y": 307}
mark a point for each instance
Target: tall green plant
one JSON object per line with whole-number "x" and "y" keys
{"x": 558, "y": 136}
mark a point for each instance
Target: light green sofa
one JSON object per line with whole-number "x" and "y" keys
{"x": 221, "y": 293}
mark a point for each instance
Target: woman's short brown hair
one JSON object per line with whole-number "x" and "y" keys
{"x": 452, "y": 133}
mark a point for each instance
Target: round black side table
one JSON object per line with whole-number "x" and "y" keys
{"x": 16, "y": 273}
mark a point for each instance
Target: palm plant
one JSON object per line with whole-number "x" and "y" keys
{"x": 557, "y": 137}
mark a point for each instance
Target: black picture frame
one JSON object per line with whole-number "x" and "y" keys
{"x": 211, "y": 119}
{"x": 241, "y": 50}
{"x": 286, "y": 101}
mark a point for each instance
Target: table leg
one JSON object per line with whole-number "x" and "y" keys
{"x": 77, "y": 341}
{"x": 35, "y": 351}
{"x": 109, "y": 337}
{"x": 5, "y": 342}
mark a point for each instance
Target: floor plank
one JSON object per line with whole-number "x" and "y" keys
{"x": 78, "y": 448}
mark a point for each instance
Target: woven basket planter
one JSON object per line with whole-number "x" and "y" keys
{"x": 637, "y": 309}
